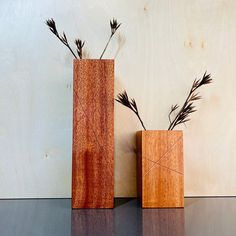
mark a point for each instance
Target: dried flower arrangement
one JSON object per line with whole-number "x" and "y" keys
{"x": 78, "y": 42}
{"x": 184, "y": 112}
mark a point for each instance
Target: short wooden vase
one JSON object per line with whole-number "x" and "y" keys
{"x": 160, "y": 168}
{"x": 93, "y": 134}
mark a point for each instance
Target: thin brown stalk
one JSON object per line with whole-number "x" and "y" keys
{"x": 114, "y": 27}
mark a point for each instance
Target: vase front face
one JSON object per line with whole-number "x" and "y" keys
{"x": 93, "y": 134}
{"x": 160, "y": 168}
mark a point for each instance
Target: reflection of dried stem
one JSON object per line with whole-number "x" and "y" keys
{"x": 188, "y": 107}
{"x": 131, "y": 104}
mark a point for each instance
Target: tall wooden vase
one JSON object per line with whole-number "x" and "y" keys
{"x": 160, "y": 168}
{"x": 93, "y": 134}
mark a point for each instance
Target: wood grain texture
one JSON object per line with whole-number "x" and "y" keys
{"x": 161, "y": 47}
{"x": 160, "y": 168}
{"x": 93, "y": 134}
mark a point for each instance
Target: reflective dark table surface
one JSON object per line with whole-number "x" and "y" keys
{"x": 200, "y": 217}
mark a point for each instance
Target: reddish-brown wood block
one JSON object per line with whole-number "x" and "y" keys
{"x": 160, "y": 168}
{"x": 93, "y": 134}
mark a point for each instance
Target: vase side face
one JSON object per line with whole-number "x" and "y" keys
{"x": 93, "y": 134}
{"x": 162, "y": 169}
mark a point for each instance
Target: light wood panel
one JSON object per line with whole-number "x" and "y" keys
{"x": 160, "y": 48}
{"x": 160, "y": 168}
{"x": 93, "y": 134}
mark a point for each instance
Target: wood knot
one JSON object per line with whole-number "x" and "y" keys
{"x": 145, "y": 8}
{"x": 188, "y": 44}
{"x": 202, "y": 45}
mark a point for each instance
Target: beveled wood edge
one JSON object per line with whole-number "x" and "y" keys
{"x": 81, "y": 208}
{"x": 92, "y": 60}
{"x": 174, "y": 207}
{"x": 161, "y": 130}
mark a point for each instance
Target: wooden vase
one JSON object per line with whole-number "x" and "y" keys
{"x": 160, "y": 168}
{"x": 93, "y": 134}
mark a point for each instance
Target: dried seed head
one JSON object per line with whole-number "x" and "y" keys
{"x": 114, "y": 25}
{"x": 206, "y": 79}
{"x": 124, "y": 99}
{"x": 52, "y": 25}
{"x": 79, "y": 43}
{"x": 130, "y": 103}
{"x": 64, "y": 38}
{"x": 183, "y": 116}
{"x": 194, "y": 97}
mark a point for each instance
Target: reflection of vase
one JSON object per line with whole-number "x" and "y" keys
{"x": 93, "y": 134}
{"x": 160, "y": 168}
{"x": 168, "y": 222}
{"x": 92, "y": 222}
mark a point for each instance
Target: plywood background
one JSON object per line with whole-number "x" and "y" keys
{"x": 162, "y": 46}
